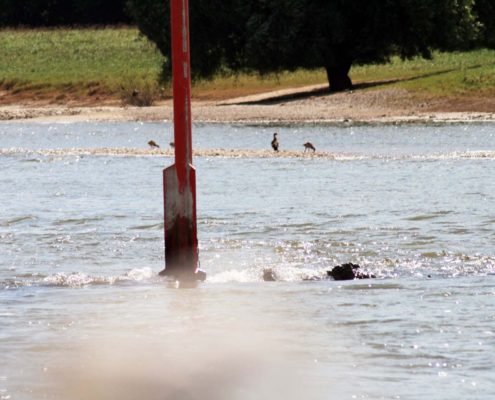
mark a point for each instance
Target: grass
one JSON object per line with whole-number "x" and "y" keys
{"x": 460, "y": 74}
{"x": 114, "y": 63}
{"x": 222, "y": 87}
{"x": 77, "y": 62}
{"x": 446, "y": 74}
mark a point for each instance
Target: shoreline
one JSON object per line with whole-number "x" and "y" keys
{"x": 387, "y": 106}
{"x": 241, "y": 115}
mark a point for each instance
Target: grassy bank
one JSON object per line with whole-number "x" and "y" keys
{"x": 460, "y": 74}
{"x": 447, "y": 74}
{"x": 108, "y": 64}
{"x": 77, "y": 63}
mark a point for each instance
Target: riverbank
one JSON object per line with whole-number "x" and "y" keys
{"x": 309, "y": 105}
{"x": 91, "y": 74}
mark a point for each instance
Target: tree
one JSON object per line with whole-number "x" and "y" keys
{"x": 217, "y": 32}
{"x": 335, "y": 34}
{"x": 485, "y": 9}
{"x": 274, "y": 35}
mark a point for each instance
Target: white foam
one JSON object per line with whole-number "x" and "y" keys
{"x": 79, "y": 279}
{"x": 241, "y": 276}
{"x": 140, "y": 274}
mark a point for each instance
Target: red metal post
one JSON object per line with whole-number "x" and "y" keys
{"x": 179, "y": 180}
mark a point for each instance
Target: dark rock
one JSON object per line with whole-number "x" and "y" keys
{"x": 269, "y": 275}
{"x": 201, "y": 275}
{"x": 348, "y": 271}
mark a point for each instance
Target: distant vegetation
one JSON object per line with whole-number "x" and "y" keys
{"x": 113, "y": 63}
{"x": 79, "y": 63}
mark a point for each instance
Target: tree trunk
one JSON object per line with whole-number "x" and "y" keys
{"x": 338, "y": 77}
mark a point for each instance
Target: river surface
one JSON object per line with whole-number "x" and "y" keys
{"x": 83, "y": 314}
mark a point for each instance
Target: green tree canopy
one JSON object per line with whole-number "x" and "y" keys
{"x": 274, "y": 35}
{"x": 485, "y": 10}
{"x": 217, "y": 32}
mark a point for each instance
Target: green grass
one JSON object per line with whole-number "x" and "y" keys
{"x": 446, "y": 74}
{"x": 245, "y": 84}
{"x": 76, "y": 63}
{"x": 76, "y": 59}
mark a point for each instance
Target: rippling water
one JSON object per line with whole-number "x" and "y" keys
{"x": 83, "y": 313}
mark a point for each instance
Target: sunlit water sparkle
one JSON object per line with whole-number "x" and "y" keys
{"x": 82, "y": 310}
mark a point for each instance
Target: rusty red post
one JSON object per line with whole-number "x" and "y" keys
{"x": 179, "y": 180}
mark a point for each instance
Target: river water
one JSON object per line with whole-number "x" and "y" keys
{"x": 83, "y": 314}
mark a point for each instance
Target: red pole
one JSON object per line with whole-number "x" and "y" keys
{"x": 179, "y": 180}
{"x": 181, "y": 81}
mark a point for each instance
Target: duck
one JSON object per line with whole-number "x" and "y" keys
{"x": 275, "y": 142}
{"x": 309, "y": 146}
{"x": 153, "y": 144}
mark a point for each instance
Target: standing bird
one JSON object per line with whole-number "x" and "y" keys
{"x": 309, "y": 146}
{"x": 275, "y": 142}
{"x": 153, "y": 144}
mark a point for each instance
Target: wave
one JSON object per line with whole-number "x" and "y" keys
{"x": 79, "y": 279}
{"x": 243, "y": 153}
{"x": 17, "y": 220}
{"x": 436, "y": 265}
{"x": 314, "y": 267}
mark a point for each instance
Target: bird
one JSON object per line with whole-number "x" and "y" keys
{"x": 275, "y": 142}
{"x": 309, "y": 146}
{"x": 153, "y": 144}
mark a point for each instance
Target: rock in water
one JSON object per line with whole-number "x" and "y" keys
{"x": 269, "y": 275}
{"x": 348, "y": 271}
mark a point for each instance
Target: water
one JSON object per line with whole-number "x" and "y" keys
{"x": 83, "y": 313}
